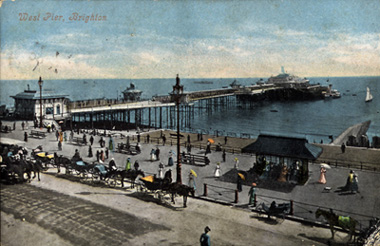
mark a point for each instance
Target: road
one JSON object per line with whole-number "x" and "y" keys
{"x": 60, "y": 210}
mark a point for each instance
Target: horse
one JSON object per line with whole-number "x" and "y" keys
{"x": 346, "y": 223}
{"x": 29, "y": 166}
{"x": 132, "y": 175}
{"x": 182, "y": 190}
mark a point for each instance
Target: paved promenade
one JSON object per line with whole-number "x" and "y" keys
{"x": 307, "y": 198}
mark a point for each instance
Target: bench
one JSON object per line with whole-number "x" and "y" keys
{"x": 78, "y": 140}
{"x": 127, "y": 149}
{"x": 6, "y": 129}
{"x": 37, "y": 134}
{"x": 198, "y": 160}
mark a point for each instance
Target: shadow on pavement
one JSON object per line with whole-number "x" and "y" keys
{"x": 150, "y": 198}
{"x": 327, "y": 241}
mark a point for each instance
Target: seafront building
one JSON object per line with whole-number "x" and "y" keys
{"x": 28, "y": 102}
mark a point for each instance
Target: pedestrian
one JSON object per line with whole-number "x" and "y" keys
{"x": 208, "y": 148}
{"x": 57, "y": 135}
{"x": 91, "y": 140}
{"x": 147, "y": 138}
{"x": 112, "y": 165}
{"x": 355, "y": 185}
{"x": 161, "y": 170}
{"x": 136, "y": 165}
{"x": 89, "y": 151}
{"x": 128, "y": 164}
{"x": 189, "y": 148}
{"x": 23, "y": 125}
{"x": 152, "y": 155}
{"x": 192, "y": 181}
{"x": 14, "y": 125}
{"x": 102, "y": 155}
{"x": 107, "y": 153}
{"x": 138, "y": 137}
{"x": 236, "y": 165}
{"x": 205, "y": 238}
{"x": 252, "y": 195}
{"x": 322, "y": 176}
{"x": 84, "y": 139}
{"x": 158, "y": 153}
{"x": 110, "y": 144}
{"x": 97, "y": 155}
{"x": 225, "y": 140}
{"x": 217, "y": 170}
{"x": 25, "y": 137}
{"x": 343, "y": 148}
{"x": 349, "y": 181}
{"x": 61, "y": 137}
{"x": 239, "y": 183}
{"x": 59, "y": 145}
{"x": 188, "y": 139}
{"x": 224, "y": 155}
{"x": 65, "y": 136}
{"x": 170, "y": 161}
{"x": 71, "y": 135}
{"x": 163, "y": 140}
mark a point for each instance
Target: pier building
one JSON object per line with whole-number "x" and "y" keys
{"x": 54, "y": 106}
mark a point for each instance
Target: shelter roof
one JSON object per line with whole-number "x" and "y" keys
{"x": 33, "y": 95}
{"x": 284, "y": 147}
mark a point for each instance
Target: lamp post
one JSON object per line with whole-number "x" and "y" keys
{"x": 40, "y": 84}
{"x": 177, "y": 94}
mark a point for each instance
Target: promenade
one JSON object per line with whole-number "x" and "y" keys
{"x": 307, "y": 198}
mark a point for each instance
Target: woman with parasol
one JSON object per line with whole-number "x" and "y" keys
{"x": 192, "y": 175}
{"x": 322, "y": 176}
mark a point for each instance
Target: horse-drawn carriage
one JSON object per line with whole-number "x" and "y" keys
{"x": 164, "y": 186}
{"x": 277, "y": 210}
{"x": 115, "y": 177}
{"x": 44, "y": 157}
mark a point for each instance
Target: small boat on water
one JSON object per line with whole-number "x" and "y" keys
{"x": 369, "y": 96}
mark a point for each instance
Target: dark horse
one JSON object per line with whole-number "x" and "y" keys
{"x": 181, "y": 190}
{"x": 346, "y": 223}
{"x": 130, "y": 174}
{"x": 30, "y": 166}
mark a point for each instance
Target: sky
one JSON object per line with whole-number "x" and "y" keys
{"x": 196, "y": 39}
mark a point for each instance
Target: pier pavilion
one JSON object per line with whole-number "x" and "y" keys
{"x": 27, "y": 105}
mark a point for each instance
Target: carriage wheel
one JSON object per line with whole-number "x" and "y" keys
{"x": 83, "y": 176}
{"x": 95, "y": 177}
{"x": 111, "y": 182}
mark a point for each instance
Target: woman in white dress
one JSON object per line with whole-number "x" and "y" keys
{"x": 217, "y": 170}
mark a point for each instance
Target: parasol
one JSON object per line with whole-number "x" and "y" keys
{"x": 193, "y": 172}
{"x": 325, "y": 165}
{"x": 211, "y": 140}
{"x": 241, "y": 176}
{"x": 148, "y": 178}
{"x": 172, "y": 152}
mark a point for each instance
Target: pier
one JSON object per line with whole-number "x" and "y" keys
{"x": 160, "y": 111}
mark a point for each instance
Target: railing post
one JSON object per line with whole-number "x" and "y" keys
{"x": 236, "y": 196}
{"x": 291, "y": 208}
{"x": 204, "y": 189}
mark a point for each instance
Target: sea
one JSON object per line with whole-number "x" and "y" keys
{"x": 316, "y": 120}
